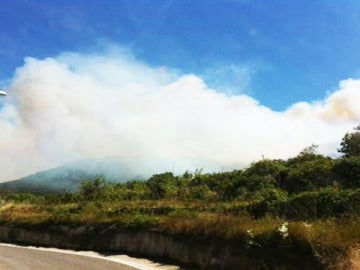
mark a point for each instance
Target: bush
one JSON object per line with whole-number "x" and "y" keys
{"x": 308, "y": 172}
{"x": 329, "y": 202}
{"x": 325, "y": 203}
{"x": 25, "y": 198}
{"x": 271, "y": 204}
{"x": 347, "y": 171}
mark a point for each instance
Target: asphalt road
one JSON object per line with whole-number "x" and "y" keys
{"x": 17, "y": 258}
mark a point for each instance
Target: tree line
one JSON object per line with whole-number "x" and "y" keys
{"x": 307, "y": 185}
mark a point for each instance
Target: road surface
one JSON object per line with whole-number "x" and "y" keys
{"x": 22, "y": 258}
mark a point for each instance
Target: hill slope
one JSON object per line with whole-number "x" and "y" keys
{"x": 69, "y": 176}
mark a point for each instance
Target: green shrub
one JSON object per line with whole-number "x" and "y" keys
{"x": 328, "y": 202}
{"x": 270, "y": 204}
{"x": 347, "y": 171}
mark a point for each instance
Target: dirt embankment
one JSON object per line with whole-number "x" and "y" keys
{"x": 190, "y": 251}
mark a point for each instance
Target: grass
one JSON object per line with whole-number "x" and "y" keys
{"x": 219, "y": 225}
{"x": 330, "y": 239}
{"x": 208, "y": 219}
{"x": 23, "y": 213}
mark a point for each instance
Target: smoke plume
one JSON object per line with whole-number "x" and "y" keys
{"x": 110, "y": 104}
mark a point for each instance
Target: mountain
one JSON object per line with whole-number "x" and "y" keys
{"x": 69, "y": 176}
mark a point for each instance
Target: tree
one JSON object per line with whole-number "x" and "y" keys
{"x": 93, "y": 189}
{"x": 261, "y": 177}
{"x": 310, "y": 150}
{"x": 350, "y": 144}
{"x": 270, "y": 168}
{"x": 308, "y": 171}
{"x": 348, "y": 171}
{"x": 162, "y": 185}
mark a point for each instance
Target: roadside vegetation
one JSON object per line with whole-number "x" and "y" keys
{"x": 310, "y": 199}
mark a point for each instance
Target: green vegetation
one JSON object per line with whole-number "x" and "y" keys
{"x": 309, "y": 199}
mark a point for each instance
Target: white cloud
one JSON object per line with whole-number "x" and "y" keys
{"x": 110, "y": 104}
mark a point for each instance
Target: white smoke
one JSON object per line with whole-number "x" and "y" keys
{"x": 98, "y": 105}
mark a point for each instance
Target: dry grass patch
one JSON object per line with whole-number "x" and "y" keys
{"x": 23, "y": 213}
{"x": 220, "y": 225}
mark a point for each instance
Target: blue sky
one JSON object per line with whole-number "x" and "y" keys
{"x": 279, "y": 52}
